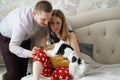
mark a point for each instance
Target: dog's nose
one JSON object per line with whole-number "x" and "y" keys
{"x": 79, "y": 61}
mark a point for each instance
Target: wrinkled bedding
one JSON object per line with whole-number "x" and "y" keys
{"x": 94, "y": 71}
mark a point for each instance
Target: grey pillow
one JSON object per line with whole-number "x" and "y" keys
{"x": 87, "y": 49}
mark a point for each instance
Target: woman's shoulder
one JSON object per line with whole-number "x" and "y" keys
{"x": 72, "y": 35}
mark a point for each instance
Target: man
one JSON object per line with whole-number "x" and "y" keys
{"x": 16, "y": 29}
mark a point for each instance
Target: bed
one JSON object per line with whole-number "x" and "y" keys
{"x": 101, "y": 29}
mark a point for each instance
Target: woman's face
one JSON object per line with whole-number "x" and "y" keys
{"x": 56, "y": 24}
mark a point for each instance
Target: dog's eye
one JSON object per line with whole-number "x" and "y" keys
{"x": 74, "y": 59}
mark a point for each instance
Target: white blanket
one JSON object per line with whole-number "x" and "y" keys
{"x": 94, "y": 71}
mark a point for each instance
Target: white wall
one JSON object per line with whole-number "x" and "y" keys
{"x": 70, "y": 7}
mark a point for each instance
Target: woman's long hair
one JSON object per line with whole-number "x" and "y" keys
{"x": 64, "y": 29}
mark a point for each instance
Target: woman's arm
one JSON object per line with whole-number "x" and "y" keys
{"x": 74, "y": 42}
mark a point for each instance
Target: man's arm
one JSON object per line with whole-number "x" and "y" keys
{"x": 18, "y": 36}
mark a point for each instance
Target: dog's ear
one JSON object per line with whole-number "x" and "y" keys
{"x": 53, "y": 37}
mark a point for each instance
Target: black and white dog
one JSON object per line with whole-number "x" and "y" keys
{"x": 76, "y": 66}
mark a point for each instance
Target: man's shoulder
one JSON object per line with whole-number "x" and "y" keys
{"x": 22, "y": 13}
{"x": 24, "y": 8}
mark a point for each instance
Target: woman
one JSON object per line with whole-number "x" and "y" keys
{"x": 55, "y": 67}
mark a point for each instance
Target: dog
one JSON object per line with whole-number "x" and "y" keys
{"x": 76, "y": 66}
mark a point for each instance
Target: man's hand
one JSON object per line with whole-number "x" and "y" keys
{"x": 32, "y": 53}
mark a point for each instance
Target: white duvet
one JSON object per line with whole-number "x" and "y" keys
{"x": 94, "y": 71}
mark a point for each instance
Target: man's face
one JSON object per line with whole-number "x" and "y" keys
{"x": 42, "y": 18}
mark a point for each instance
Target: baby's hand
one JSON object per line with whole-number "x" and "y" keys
{"x": 49, "y": 47}
{"x": 35, "y": 49}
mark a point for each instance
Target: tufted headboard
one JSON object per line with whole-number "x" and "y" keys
{"x": 102, "y": 29}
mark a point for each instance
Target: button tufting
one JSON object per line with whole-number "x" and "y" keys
{"x": 89, "y": 34}
{"x": 97, "y": 51}
{"x": 104, "y": 33}
{"x": 113, "y": 51}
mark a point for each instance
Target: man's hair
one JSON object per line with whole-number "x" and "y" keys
{"x": 43, "y": 6}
